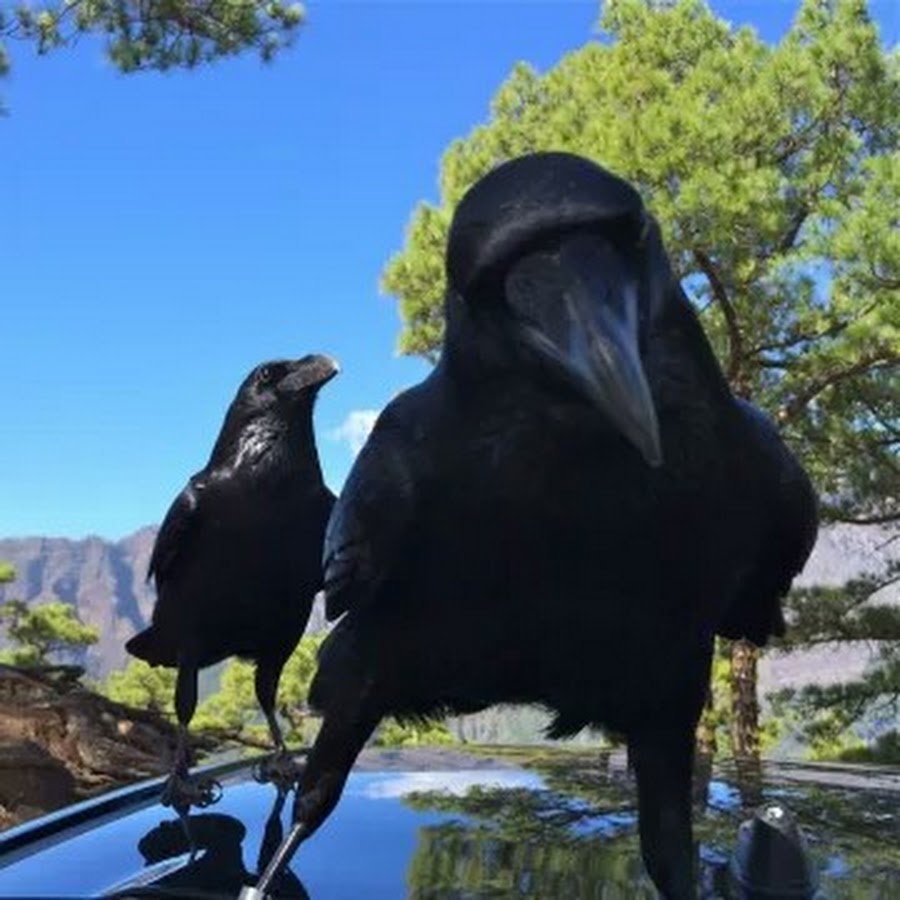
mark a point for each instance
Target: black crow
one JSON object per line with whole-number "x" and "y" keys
{"x": 565, "y": 511}
{"x": 238, "y": 559}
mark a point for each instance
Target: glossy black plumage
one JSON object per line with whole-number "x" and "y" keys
{"x": 237, "y": 560}
{"x": 566, "y": 510}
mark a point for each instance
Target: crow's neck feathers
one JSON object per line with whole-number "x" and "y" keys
{"x": 258, "y": 442}
{"x": 269, "y": 446}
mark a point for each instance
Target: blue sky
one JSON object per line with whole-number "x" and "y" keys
{"x": 162, "y": 234}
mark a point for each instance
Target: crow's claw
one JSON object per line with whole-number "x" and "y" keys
{"x": 280, "y": 769}
{"x": 182, "y": 792}
{"x": 211, "y": 791}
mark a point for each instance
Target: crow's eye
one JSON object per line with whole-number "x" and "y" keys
{"x": 265, "y": 375}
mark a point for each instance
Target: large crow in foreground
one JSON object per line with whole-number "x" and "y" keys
{"x": 565, "y": 511}
{"x": 238, "y": 558}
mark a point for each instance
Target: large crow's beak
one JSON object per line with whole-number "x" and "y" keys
{"x": 593, "y": 340}
{"x": 310, "y": 371}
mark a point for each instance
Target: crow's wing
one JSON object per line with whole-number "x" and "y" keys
{"x": 790, "y": 524}
{"x": 794, "y": 510}
{"x": 178, "y": 530}
{"x": 369, "y": 525}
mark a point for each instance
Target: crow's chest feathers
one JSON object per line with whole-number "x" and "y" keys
{"x": 263, "y": 476}
{"x": 573, "y": 472}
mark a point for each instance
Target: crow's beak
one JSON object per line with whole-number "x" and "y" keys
{"x": 593, "y": 340}
{"x": 309, "y": 372}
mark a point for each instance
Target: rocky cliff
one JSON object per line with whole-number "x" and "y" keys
{"x": 105, "y": 581}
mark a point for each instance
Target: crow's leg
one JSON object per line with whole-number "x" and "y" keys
{"x": 281, "y": 768}
{"x": 273, "y": 832}
{"x": 287, "y": 884}
{"x": 662, "y": 763}
{"x": 343, "y": 734}
{"x": 180, "y": 791}
{"x": 339, "y": 741}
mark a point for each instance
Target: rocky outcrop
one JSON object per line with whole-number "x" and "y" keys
{"x": 60, "y": 742}
{"x": 32, "y": 781}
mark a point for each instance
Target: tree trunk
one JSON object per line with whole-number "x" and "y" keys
{"x": 32, "y": 781}
{"x": 702, "y": 776}
{"x": 707, "y": 744}
{"x": 748, "y": 777}
{"x": 744, "y": 703}
{"x": 704, "y": 751}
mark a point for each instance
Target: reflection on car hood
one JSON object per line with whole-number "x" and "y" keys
{"x": 528, "y": 824}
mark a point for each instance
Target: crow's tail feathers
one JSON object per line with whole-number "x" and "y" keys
{"x": 153, "y": 648}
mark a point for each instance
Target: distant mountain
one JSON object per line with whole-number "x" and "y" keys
{"x": 106, "y": 582}
{"x": 842, "y": 552}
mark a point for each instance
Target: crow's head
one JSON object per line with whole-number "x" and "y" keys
{"x": 284, "y": 386}
{"x": 558, "y": 257}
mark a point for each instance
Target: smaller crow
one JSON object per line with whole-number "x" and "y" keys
{"x": 237, "y": 561}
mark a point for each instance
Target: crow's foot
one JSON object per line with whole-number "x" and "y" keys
{"x": 182, "y": 792}
{"x": 281, "y": 769}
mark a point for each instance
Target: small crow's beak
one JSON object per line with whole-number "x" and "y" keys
{"x": 309, "y": 372}
{"x": 593, "y": 341}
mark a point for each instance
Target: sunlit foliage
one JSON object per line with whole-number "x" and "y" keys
{"x": 154, "y": 34}
{"x": 40, "y": 634}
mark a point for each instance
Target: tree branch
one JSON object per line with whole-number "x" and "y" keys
{"x": 234, "y": 735}
{"x": 802, "y": 400}
{"x": 823, "y": 640}
{"x": 735, "y": 340}
{"x": 47, "y": 672}
{"x": 875, "y": 519}
{"x": 16, "y": 30}
{"x": 793, "y": 229}
{"x": 781, "y": 362}
{"x": 882, "y": 281}
{"x": 805, "y": 337}
{"x": 892, "y": 430}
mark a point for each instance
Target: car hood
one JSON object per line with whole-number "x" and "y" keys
{"x": 529, "y": 823}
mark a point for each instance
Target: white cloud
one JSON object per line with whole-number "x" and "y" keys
{"x": 355, "y": 428}
{"x": 458, "y": 783}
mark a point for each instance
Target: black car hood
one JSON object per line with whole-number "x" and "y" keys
{"x": 442, "y": 824}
